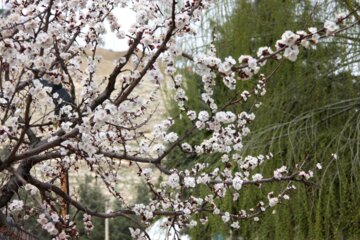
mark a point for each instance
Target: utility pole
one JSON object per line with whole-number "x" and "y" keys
{"x": 106, "y": 221}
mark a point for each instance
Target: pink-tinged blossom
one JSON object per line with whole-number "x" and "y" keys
{"x": 50, "y": 228}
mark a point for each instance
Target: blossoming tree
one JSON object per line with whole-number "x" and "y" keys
{"x": 50, "y": 125}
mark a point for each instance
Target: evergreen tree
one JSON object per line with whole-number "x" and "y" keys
{"x": 91, "y": 195}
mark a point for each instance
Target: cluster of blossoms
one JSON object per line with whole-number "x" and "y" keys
{"x": 47, "y": 120}
{"x": 88, "y": 225}
{"x": 60, "y": 227}
{"x": 31, "y": 189}
{"x": 16, "y": 205}
{"x": 47, "y": 225}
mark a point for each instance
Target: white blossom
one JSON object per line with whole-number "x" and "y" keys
{"x": 273, "y": 201}
{"x": 278, "y": 173}
{"x": 171, "y": 137}
{"x": 331, "y": 27}
{"x": 50, "y": 228}
{"x": 289, "y": 38}
{"x": 189, "y": 182}
{"x": 186, "y": 147}
{"x": 291, "y": 53}
{"x": 32, "y": 189}
{"x": 286, "y": 197}
{"x": 237, "y": 183}
{"x": 191, "y": 115}
{"x": 235, "y": 225}
{"x": 318, "y": 166}
{"x": 203, "y": 116}
{"x": 159, "y": 149}
{"x": 257, "y": 177}
{"x": 226, "y": 217}
{"x": 16, "y": 205}
{"x": 173, "y": 180}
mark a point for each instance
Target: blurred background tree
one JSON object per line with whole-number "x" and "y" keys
{"x": 309, "y": 112}
{"x": 89, "y": 192}
{"x": 93, "y": 197}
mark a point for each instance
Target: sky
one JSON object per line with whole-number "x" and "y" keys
{"x": 126, "y": 18}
